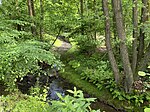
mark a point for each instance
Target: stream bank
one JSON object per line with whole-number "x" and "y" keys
{"x": 104, "y": 101}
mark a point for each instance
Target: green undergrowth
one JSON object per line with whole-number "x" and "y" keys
{"x": 103, "y": 94}
{"x": 93, "y": 75}
{"x": 18, "y": 102}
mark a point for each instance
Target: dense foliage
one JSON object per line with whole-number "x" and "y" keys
{"x": 23, "y": 103}
{"x": 110, "y": 42}
{"x": 20, "y": 54}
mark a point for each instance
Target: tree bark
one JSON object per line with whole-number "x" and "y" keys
{"x": 41, "y": 19}
{"x": 108, "y": 43}
{"x": 135, "y": 36}
{"x": 144, "y": 17}
{"x": 32, "y": 14}
{"x": 149, "y": 10}
{"x": 117, "y": 49}
{"x": 123, "y": 48}
{"x": 146, "y": 59}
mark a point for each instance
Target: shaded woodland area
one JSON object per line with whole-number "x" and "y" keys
{"x": 94, "y": 48}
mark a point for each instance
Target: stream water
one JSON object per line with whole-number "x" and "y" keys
{"x": 60, "y": 85}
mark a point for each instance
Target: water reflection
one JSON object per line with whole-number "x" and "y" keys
{"x": 55, "y": 87}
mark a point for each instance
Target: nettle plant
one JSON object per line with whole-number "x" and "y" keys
{"x": 20, "y": 53}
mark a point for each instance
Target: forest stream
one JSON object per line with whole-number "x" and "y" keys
{"x": 60, "y": 85}
{"x": 57, "y": 84}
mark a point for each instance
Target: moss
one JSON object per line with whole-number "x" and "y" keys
{"x": 77, "y": 81}
{"x": 58, "y": 43}
{"x": 103, "y": 95}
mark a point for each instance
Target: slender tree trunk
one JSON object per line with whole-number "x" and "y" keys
{"x": 123, "y": 48}
{"x": 57, "y": 35}
{"x": 117, "y": 49}
{"x": 149, "y": 10}
{"x": 32, "y": 14}
{"x": 144, "y": 17}
{"x": 135, "y": 36}
{"x": 41, "y": 19}
{"x": 114, "y": 23}
{"x": 146, "y": 59}
{"x": 81, "y": 11}
{"x": 108, "y": 43}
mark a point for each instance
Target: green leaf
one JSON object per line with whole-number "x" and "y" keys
{"x": 70, "y": 91}
{"x": 59, "y": 95}
{"x": 141, "y": 73}
{"x": 148, "y": 74}
{"x": 147, "y": 110}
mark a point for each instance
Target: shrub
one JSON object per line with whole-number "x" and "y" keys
{"x": 25, "y": 103}
{"x": 20, "y": 53}
{"x": 75, "y": 103}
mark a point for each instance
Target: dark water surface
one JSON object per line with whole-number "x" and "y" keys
{"x": 60, "y": 85}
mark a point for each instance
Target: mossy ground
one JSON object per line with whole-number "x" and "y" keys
{"x": 103, "y": 95}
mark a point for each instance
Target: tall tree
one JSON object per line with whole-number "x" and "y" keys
{"x": 144, "y": 18}
{"x": 32, "y": 14}
{"x": 117, "y": 8}
{"x": 108, "y": 42}
{"x": 135, "y": 36}
{"x": 149, "y": 10}
{"x": 114, "y": 31}
{"x": 145, "y": 60}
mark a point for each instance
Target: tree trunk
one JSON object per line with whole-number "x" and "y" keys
{"x": 146, "y": 59}
{"x": 149, "y": 10}
{"x": 32, "y": 14}
{"x": 41, "y": 19}
{"x": 117, "y": 49}
{"x": 135, "y": 36}
{"x": 144, "y": 17}
{"x": 123, "y": 48}
{"x": 81, "y": 11}
{"x": 108, "y": 43}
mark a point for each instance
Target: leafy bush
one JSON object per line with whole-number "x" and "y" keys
{"x": 97, "y": 74}
{"x": 92, "y": 69}
{"x": 75, "y": 103}
{"x": 20, "y": 54}
{"x": 147, "y": 110}
{"x": 24, "y": 103}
